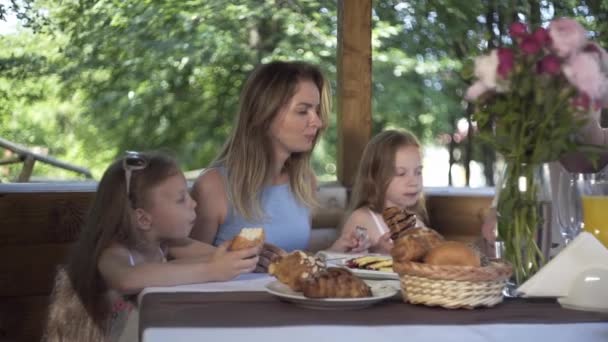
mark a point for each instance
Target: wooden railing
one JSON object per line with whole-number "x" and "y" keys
{"x": 40, "y": 221}
{"x": 29, "y": 159}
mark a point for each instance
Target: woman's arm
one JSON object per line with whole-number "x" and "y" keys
{"x": 212, "y": 205}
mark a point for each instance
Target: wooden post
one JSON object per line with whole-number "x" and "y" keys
{"x": 354, "y": 85}
{"x": 26, "y": 171}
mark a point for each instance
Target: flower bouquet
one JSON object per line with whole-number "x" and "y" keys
{"x": 531, "y": 100}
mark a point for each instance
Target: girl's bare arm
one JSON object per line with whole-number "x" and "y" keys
{"x": 126, "y": 279}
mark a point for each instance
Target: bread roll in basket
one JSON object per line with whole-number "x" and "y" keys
{"x": 436, "y": 272}
{"x": 453, "y": 287}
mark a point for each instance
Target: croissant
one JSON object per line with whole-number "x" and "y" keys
{"x": 335, "y": 283}
{"x": 414, "y": 243}
{"x": 295, "y": 268}
{"x": 398, "y": 221}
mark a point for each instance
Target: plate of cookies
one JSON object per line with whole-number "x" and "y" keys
{"x": 372, "y": 267}
{"x": 305, "y": 281}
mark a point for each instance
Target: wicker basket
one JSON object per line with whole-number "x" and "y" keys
{"x": 453, "y": 287}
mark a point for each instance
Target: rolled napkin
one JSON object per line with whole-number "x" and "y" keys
{"x": 398, "y": 221}
{"x": 556, "y": 277}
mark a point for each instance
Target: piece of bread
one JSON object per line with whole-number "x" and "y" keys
{"x": 247, "y": 237}
{"x": 335, "y": 283}
{"x": 295, "y": 268}
{"x": 398, "y": 221}
{"x": 414, "y": 243}
{"x": 452, "y": 253}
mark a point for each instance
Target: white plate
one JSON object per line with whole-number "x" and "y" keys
{"x": 371, "y": 274}
{"x": 366, "y": 274}
{"x": 380, "y": 292}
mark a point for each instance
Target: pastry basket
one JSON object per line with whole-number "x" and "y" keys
{"x": 453, "y": 287}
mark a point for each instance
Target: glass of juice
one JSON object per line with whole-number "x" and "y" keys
{"x": 594, "y": 195}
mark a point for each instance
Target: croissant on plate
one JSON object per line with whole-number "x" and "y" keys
{"x": 295, "y": 268}
{"x": 335, "y": 283}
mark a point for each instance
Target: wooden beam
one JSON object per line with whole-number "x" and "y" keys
{"x": 28, "y": 168}
{"x": 24, "y": 153}
{"x": 354, "y": 85}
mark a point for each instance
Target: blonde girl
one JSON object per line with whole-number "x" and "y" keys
{"x": 141, "y": 216}
{"x": 389, "y": 175}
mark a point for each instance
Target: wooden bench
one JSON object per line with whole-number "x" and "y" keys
{"x": 39, "y": 222}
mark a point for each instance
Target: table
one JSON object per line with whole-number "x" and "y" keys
{"x": 241, "y": 309}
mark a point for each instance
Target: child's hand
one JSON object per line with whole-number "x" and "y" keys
{"x": 384, "y": 244}
{"x": 269, "y": 253}
{"x": 229, "y": 264}
{"x": 352, "y": 243}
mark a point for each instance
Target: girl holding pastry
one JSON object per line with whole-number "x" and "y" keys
{"x": 140, "y": 219}
{"x": 389, "y": 175}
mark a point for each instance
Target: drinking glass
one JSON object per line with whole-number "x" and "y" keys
{"x": 594, "y": 194}
{"x": 569, "y": 206}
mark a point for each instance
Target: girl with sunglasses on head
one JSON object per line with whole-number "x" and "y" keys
{"x": 141, "y": 216}
{"x": 389, "y": 175}
{"x": 263, "y": 176}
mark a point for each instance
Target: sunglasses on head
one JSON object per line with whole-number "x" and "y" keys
{"x": 132, "y": 161}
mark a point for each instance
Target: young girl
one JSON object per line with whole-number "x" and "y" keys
{"x": 141, "y": 216}
{"x": 389, "y": 175}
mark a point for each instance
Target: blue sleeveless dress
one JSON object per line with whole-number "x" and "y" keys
{"x": 286, "y": 221}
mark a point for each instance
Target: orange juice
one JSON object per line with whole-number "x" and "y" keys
{"x": 595, "y": 217}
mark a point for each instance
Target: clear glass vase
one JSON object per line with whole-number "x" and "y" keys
{"x": 524, "y": 212}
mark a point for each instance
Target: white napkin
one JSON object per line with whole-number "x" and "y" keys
{"x": 244, "y": 282}
{"x": 555, "y": 278}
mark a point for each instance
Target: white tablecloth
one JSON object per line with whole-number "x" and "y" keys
{"x": 469, "y": 333}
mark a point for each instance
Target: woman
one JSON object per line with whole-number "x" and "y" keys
{"x": 263, "y": 177}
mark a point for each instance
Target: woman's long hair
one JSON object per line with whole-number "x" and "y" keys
{"x": 248, "y": 153}
{"x": 79, "y": 304}
{"x": 377, "y": 169}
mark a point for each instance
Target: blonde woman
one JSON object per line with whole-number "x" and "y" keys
{"x": 263, "y": 177}
{"x": 389, "y": 175}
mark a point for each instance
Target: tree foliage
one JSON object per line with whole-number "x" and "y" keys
{"x": 90, "y": 79}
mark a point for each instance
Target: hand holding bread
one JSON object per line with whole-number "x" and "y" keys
{"x": 247, "y": 238}
{"x": 229, "y": 264}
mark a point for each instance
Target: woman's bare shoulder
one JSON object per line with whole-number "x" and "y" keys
{"x": 210, "y": 181}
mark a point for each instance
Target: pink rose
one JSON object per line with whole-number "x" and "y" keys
{"x": 530, "y": 46}
{"x": 541, "y": 36}
{"x": 567, "y": 36}
{"x": 505, "y": 61}
{"x": 584, "y": 72}
{"x": 603, "y": 55}
{"x": 581, "y": 101}
{"x": 550, "y": 64}
{"x": 518, "y": 30}
{"x": 475, "y": 90}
